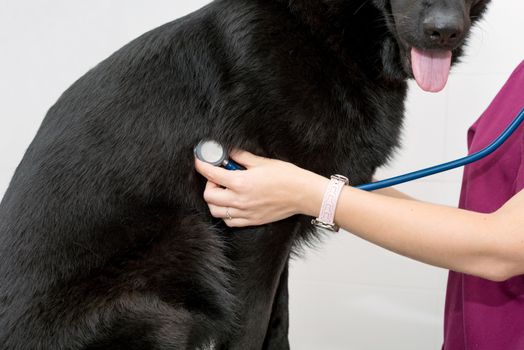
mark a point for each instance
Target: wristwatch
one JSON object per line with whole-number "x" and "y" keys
{"x": 329, "y": 203}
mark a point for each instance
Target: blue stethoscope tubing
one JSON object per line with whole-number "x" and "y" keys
{"x": 449, "y": 165}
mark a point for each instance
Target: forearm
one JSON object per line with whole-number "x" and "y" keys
{"x": 391, "y": 192}
{"x": 451, "y": 238}
{"x": 485, "y": 245}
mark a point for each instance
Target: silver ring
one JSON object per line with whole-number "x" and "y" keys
{"x": 228, "y": 214}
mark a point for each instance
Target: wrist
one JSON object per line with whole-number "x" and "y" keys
{"x": 311, "y": 193}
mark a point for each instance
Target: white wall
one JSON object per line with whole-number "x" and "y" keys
{"x": 347, "y": 294}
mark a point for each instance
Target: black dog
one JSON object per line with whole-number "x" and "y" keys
{"x": 105, "y": 240}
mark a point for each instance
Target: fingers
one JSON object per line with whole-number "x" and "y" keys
{"x": 232, "y": 217}
{"x": 225, "y": 213}
{"x": 221, "y": 206}
{"x": 215, "y": 174}
{"x": 225, "y": 203}
{"x": 214, "y": 194}
{"x": 238, "y": 223}
{"x": 248, "y": 160}
{"x": 211, "y": 186}
{"x": 218, "y": 211}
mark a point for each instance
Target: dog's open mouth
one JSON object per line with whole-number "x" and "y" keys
{"x": 431, "y": 68}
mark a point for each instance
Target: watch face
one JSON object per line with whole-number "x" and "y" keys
{"x": 325, "y": 226}
{"x": 340, "y": 178}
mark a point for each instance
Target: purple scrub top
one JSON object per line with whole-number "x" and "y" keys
{"x": 481, "y": 314}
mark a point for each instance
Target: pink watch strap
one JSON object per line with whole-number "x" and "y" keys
{"x": 329, "y": 203}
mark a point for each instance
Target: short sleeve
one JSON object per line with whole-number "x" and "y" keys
{"x": 519, "y": 180}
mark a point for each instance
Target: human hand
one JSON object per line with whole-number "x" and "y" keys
{"x": 268, "y": 190}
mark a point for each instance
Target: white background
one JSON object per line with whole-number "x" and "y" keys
{"x": 346, "y": 294}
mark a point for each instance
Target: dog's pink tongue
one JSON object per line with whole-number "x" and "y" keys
{"x": 430, "y": 68}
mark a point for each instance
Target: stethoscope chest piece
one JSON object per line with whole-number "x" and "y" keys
{"x": 211, "y": 152}
{"x": 214, "y": 153}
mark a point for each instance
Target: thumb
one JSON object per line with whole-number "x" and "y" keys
{"x": 213, "y": 173}
{"x": 246, "y": 158}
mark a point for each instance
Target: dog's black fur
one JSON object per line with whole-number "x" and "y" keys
{"x": 105, "y": 240}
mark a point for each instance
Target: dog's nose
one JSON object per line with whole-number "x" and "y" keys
{"x": 444, "y": 31}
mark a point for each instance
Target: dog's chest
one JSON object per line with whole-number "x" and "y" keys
{"x": 341, "y": 130}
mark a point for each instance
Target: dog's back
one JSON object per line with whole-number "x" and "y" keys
{"x": 105, "y": 240}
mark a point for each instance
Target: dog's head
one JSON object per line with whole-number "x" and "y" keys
{"x": 430, "y": 35}
{"x": 420, "y": 38}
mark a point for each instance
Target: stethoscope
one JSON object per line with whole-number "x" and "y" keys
{"x": 212, "y": 152}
